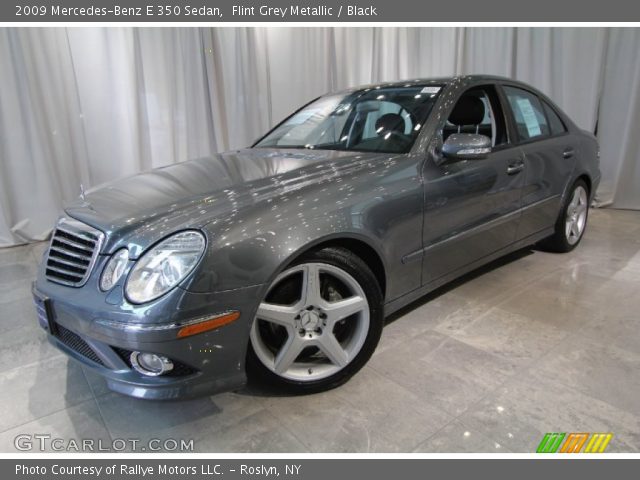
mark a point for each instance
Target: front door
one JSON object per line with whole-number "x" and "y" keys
{"x": 472, "y": 207}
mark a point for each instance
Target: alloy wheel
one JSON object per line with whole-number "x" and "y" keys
{"x": 312, "y": 323}
{"x": 576, "y": 217}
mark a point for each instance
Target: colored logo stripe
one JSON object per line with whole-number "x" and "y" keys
{"x": 574, "y": 442}
{"x": 598, "y": 442}
{"x": 550, "y": 443}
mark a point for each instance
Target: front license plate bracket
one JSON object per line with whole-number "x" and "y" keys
{"x": 45, "y": 314}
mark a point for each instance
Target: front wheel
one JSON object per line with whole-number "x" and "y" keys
{"x": 318, "y": 324}
{"x": 572, "y": 220}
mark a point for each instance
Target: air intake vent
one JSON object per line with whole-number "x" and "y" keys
{"x": 75, "y": 342}
{"x": 73, "y": 251}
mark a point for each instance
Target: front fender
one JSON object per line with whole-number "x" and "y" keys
{"x": 381, "y": 207}
{"x": 238, "y": 261}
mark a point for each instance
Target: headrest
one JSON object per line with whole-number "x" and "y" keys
{"x": 389, "y": 122}
{"x": 468, "y": 111}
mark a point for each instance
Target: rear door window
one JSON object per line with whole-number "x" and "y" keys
{"x": 528, "y": 113}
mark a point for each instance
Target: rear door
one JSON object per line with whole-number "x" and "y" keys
{"x": 549, "y": 156}
{"x": 472, "y": 206}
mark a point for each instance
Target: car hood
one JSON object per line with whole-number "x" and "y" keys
{"x": 194, "y": 193}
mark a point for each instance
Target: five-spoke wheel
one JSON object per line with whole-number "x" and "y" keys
{"x": 576, "y": 217}
{"x": 319, "y": 322}
{"x": 572, "y": 220}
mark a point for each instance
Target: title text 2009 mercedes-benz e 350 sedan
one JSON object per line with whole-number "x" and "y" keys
{"x": 282, "y": 260}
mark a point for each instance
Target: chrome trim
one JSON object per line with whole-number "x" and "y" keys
{"x": 167, "y": 364}
{"x": 70, "y": 254}
{"x": 141, "y": 327}
{"x": 88, "y": 234}
{"x": 78, "y": 229}
{"x": 64, "y": 272}
{"x": 67, "y": 262}
{"x": 72, "y": 244}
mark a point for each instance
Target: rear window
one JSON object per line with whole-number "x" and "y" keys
{"x": 555, "y": 122}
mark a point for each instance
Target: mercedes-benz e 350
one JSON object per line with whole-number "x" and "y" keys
{"x": 282, "y": 260}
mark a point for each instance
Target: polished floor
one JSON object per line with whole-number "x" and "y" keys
{"x": 533, "y": 343}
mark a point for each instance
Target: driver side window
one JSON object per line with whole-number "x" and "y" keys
{"x": 478, "y": 111}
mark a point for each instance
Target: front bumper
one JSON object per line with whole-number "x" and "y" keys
{"x": 100, "y": 332}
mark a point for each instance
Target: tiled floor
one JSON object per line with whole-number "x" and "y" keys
{"x": 531, "y": 344}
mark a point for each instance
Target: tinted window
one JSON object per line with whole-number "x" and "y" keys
{"x": 529, "y": 116}
{"x": 386, "y": 119}
{"x": 555, "y": 123}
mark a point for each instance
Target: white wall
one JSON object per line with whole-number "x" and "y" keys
{"x": 87, "y": 105}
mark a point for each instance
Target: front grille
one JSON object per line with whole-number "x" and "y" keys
{"x": 73, "y": 251}
{"x": 76, "y": 343}
{"x": 179, "y": 369}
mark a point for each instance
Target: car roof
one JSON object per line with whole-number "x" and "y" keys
{"x": 468, "y": 79}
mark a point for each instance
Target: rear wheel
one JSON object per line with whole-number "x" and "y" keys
{"x": 571, "y": 222}
{"x": 318, "y": 324}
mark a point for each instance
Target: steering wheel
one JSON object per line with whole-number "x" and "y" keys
{"x": 397, "y": 136}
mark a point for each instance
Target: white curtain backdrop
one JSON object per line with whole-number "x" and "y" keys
{"x": 88, "y": 105}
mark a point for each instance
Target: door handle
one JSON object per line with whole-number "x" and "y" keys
{"x": 515, "y": 168}
{"x": 568, "y": 153}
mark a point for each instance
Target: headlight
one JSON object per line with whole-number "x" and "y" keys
{"x": 114, "y": 269}
{"x": 164, "y": 266}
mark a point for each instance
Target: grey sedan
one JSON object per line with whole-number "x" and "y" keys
{"x": 281, "y": 261}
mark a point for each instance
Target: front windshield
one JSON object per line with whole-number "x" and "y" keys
{"x": 385, "y": 119}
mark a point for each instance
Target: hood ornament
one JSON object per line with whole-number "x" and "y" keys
{"x": 84, "y": 200}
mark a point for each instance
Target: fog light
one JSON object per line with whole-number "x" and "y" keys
{"x": 150, "y": 364}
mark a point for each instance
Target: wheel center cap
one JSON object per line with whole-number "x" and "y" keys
{"x": 309, "y": 319}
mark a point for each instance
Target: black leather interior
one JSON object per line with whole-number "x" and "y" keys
{"x": 467, "y": 117}
{"x": 468, "y": 111}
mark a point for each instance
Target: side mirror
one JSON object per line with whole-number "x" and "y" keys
{"x": 466, "y": 146}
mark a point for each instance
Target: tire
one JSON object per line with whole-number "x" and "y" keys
{"x": 318, "y": 325}
{"x": 572, "y": 220}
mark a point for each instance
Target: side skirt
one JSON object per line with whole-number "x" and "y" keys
{"x": 412, "y": 296}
